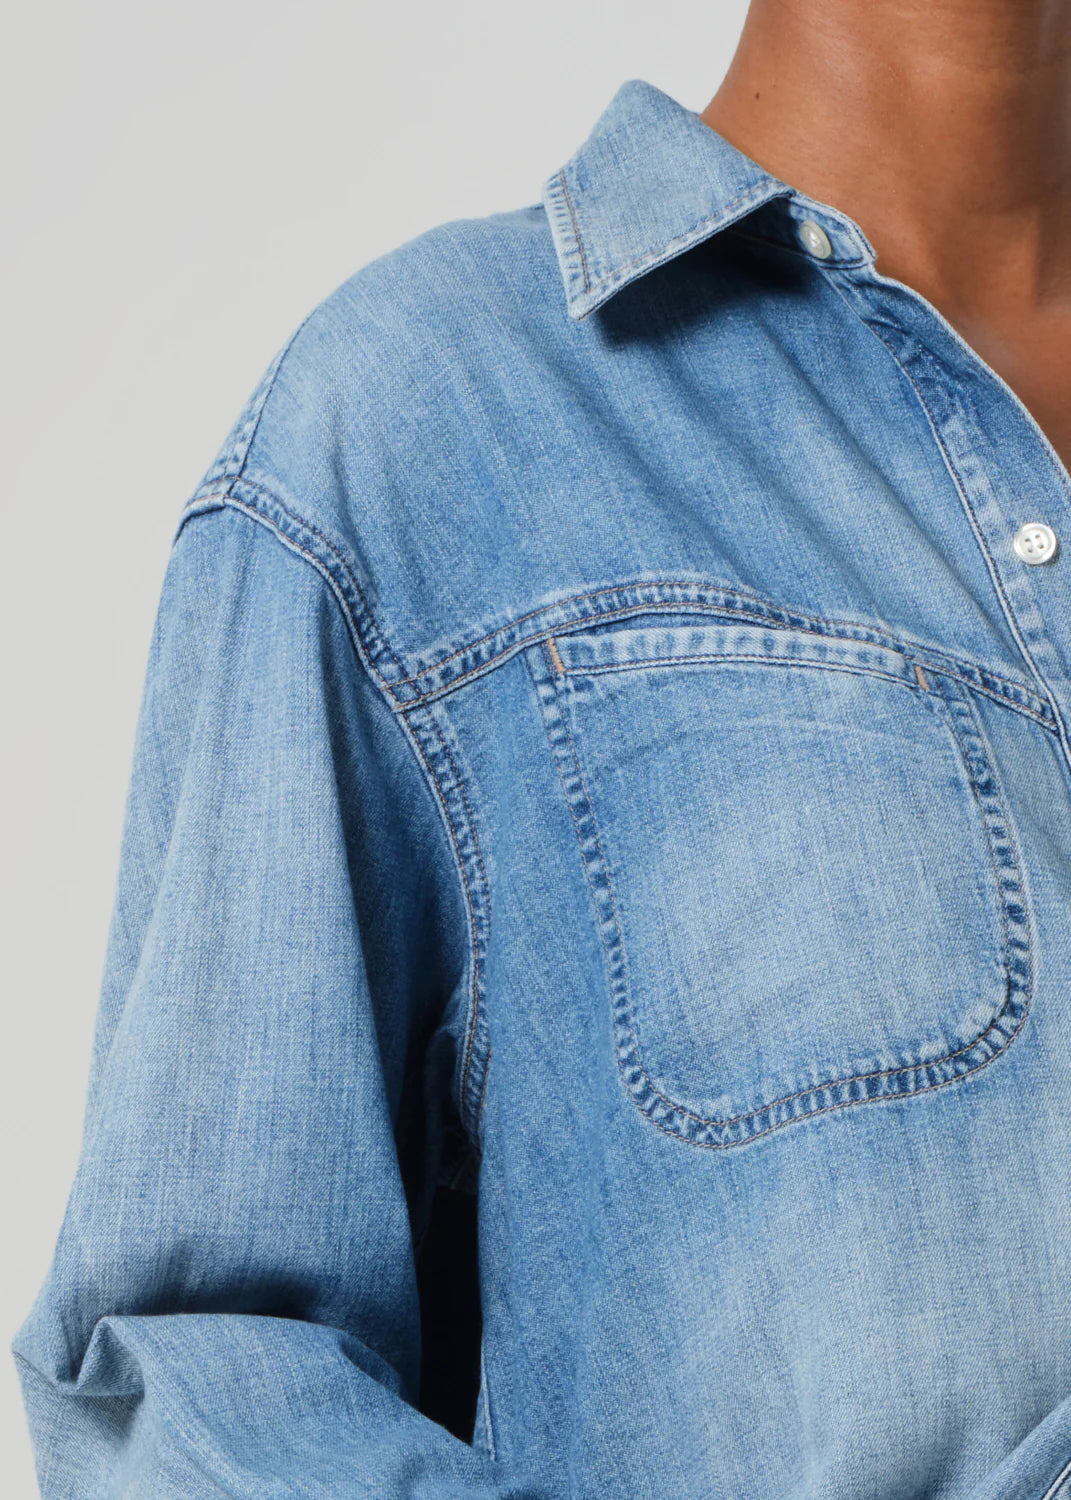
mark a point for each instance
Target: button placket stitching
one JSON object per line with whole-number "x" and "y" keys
{"x": 850, "y": 286}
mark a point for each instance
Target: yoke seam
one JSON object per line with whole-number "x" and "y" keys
{"x": 372, "y": 641}
{"x": 935, "y": 658}
{"x": 765, "y": 612}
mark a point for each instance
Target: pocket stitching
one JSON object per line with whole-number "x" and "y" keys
{"x": 730, "y": 659}
{"x": 1017, "y": 985}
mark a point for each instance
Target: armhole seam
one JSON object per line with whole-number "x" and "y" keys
{"x": 455, "y": 810}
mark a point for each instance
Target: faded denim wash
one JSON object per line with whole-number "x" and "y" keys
{"x": 600, "y": 747}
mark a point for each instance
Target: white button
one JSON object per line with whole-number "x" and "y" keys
{"x": 815, "y": 238}
{"x": 1035, "y": 542}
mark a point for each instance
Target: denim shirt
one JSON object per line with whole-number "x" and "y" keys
{"x": 604, "y": 745}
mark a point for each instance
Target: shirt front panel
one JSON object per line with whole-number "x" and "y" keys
{"x": 749, "y": 728}
{"x": 777, "y": 992}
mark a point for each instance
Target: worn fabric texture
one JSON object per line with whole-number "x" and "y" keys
{"x": 602, "y": 749}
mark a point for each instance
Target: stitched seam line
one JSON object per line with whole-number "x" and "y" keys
{"x": 826, "y": 1109}
{"x": 759, "y": 191}
{"x": 764, "y": 614}
{"x": 570, "y": 801}
{"x": 576, "y": 229}
{"x": 730, "y": 659}
{"x": 485, "y": 1390}
{"x": 993, "y": 378}
{"x": 1004, "y": 698}
{"x": 965, "y": 500}
{"x": 1053, "y": 1491}
{"x": 676, "y": 1109}
{"x": 412, "y": 738}
{"x": 769, "y": 612}
{"x": 474, "y": 1004}
{"x": 305, "y": 533}
{"x": 858, "y": 1077}
{"x": 991, "y": 563}
{"x": 475, "y": 1012}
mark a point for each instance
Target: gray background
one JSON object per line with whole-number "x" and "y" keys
{"x": 181, "y": 185}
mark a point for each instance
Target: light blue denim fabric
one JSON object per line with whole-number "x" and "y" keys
{"x": 600, "y": 746}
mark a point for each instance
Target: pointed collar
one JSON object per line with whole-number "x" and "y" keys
{"x": 651, "y": 180}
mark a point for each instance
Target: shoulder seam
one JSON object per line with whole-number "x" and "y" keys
{"x": 322, "y": 552}
{"x": 454, "y": 805}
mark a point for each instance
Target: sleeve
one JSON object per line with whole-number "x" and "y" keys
{"x": 232, "y": 1306}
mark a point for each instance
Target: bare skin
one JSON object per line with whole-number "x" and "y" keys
{"x": 943, "y": 128}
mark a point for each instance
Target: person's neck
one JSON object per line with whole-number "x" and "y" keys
{"x": 943, "y": 127}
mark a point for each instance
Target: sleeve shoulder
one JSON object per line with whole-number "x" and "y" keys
{"x": 390, "y": 435}
{"x": 280, "y": 837}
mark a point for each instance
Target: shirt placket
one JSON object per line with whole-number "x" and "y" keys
{"x": 1015, "y": 490}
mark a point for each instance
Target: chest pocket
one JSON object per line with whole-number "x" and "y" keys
{"x": 801, "y": 868}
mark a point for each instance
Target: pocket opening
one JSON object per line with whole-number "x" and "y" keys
{"x": 680, "y": 748}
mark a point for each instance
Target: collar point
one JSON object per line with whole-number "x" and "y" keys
{"x": 582, "y": 303}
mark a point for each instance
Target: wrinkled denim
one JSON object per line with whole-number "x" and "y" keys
{"x": 601, "y": 749}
